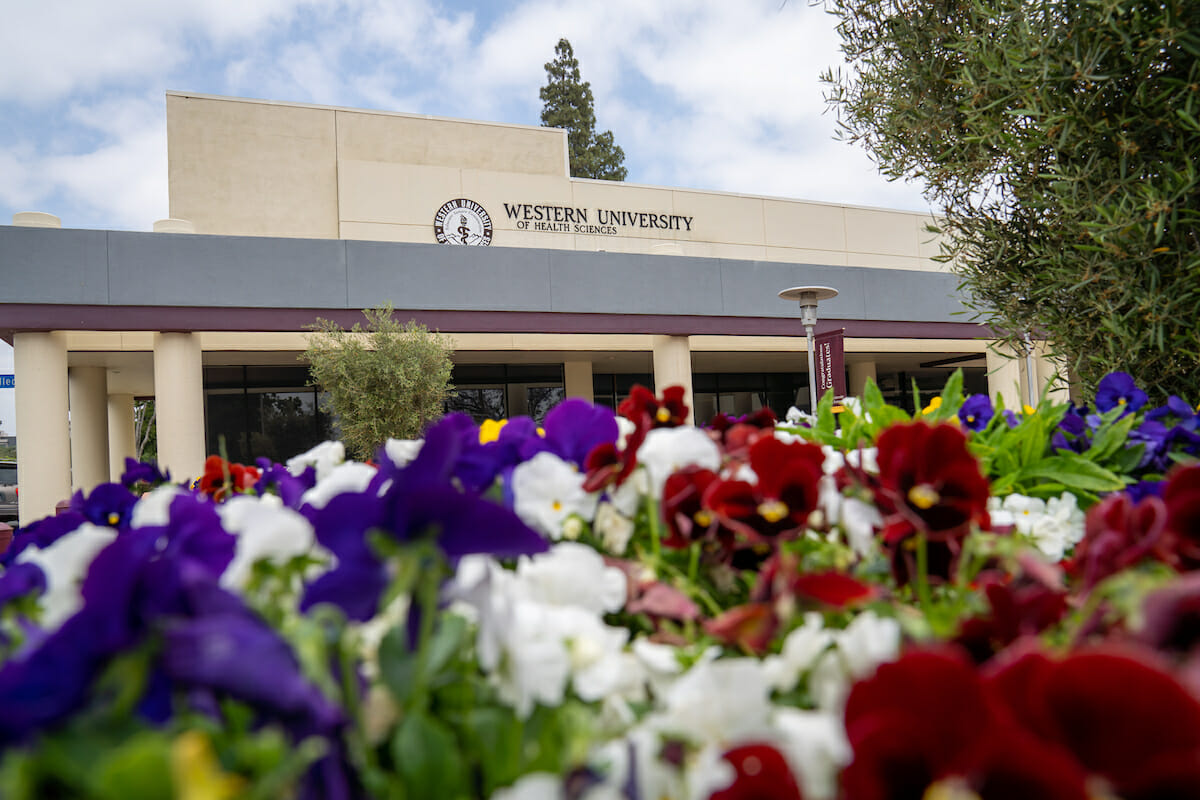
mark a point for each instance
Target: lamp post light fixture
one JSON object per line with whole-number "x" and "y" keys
{"x": 808, "y": 297}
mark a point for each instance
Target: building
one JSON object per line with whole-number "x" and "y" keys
{"x": 282, "y": 213}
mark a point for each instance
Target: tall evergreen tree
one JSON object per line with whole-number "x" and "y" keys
{"x": 567, "y": 103}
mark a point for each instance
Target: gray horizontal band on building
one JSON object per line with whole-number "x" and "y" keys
{"x": 155, "y": 278}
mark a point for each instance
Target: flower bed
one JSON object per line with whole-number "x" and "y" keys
{"x": 973, "y": 603}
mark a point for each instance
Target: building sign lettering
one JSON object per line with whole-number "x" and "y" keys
{"x": 464, "y": 221}
{"x": 602, "y": 221}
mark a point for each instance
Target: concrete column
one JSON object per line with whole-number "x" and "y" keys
{"x": 43, "y": 437}
{"x": 121, "y": 440}
{"x": 1006, "y": 376}
{"x": 87, "y": 388}
{"x": 179, "y": 396}
{"x": 859, "y": 371}
{"x": 1051, "y": 374}
{"x": 577, "y": 380}
{"x": 673, "y": 366}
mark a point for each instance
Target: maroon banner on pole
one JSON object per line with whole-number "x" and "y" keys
{"x": 831, "y": 364}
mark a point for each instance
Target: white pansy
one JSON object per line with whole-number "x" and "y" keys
{"x": 721, "y": 701}
{"x": 547, "y": 490}
{"x": 595, "y": 652}
{"x": 571, "y": 574}
{"x": 535, "y": 664}
{"x": 402, "y": 451}
{"x": 800, "y": 651}
{"x": 628, "y": 496}
{"x": 815, "y": 746}
{"x": 787, "y": 437}
{"x": 860, "y": 520}
{"x": 65, "y": 563}
{"x": 351, "y": 476}
{"x": 614, "y": 528}
{"x": 1053, "y": 525}
{"x": 855, "y": 406}
{"x": 834, "y": 459}
{"x": 324, "y": 457}
{"x": 1062, "y": 527}
{"x": 864, "y": 458}
{"x": 829, "y": 681}
{"x": 667, "y": 450}
{"x": 1024, "y": 511}
{"x": 154, "y": 507}
{"x": 625, "y": 428}
{"x": 265, "y": 529}
{"x": 868, "y": 641}
{"x": 533, "y": 786}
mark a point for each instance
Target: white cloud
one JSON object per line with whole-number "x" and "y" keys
{"x": 51, "y": 49}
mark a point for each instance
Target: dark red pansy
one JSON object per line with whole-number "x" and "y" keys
{"x": 683, "y": 511}
{"x": 832, "y": 588}
{"x": 1017, "y": 609}
{"x": 1182, "y": 498}
{"x": 1119, "y": 713}
{"x": 1171, "y": 616}
{"x": 926, "y": 726}
{"x": 783, "y": 498}
{"x": 760, "y": 773}
{"x": 1119, "y": 533}
{"x": 750, "y": 627}
{"x": 929, "y": 479}
{"x": 643, "y": 408}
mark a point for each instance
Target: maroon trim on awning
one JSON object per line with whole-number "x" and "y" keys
{"x": 43, "y": 317}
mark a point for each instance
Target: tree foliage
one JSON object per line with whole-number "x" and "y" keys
{"x": 567, "y": 103}
{"x": 386, "y": 379}
{"x": 1059, "y": 138}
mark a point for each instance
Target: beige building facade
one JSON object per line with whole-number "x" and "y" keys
{"x": 549, "y": 287}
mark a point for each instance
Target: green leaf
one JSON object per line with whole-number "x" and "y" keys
{"x": 494, "y": 737}
{"x": 397, "y": 665}
{"x": 139, "y": 770}
{"x": 427, "y": 756}
{"x": 1073, "y": 472}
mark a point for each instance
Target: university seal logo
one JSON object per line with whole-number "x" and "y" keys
{"x": 462, "y": 221}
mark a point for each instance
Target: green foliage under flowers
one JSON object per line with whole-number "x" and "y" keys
{"x": 1059, "y": 140}
{"x": 1020, "y": 459}
{"x": 385, "y": 380}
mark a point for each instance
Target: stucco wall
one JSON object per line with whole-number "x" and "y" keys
{"x": 274, "y": 169}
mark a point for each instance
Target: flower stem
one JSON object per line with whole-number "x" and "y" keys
{"x": 923, "y": 596}
{"x": 655, "y": 528}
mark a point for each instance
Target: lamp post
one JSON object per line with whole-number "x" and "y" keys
{"x": 808, "y": 297}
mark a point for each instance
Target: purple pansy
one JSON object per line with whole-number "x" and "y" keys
{"x": 278, "y": 478}
{"x": 573, "y": 428}
{"x": 1072, "y": 431}
{"x": 409, "y": 503}
{"x": 145, "y": 473}
{"x": 1118, "y": 390}
{"x": 240, "y": 655}
{"x": 19, "y": 580}
{"x": 976, "y": 412}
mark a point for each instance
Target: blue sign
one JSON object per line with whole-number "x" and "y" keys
{"x": 7, "y": 381}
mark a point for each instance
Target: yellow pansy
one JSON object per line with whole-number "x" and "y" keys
{"x": 934, "y": 405}
{"x": 197, "y": 774}
{"x": 489, "y": 431}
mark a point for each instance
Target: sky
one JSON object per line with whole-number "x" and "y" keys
{"x": 700, "y": 94}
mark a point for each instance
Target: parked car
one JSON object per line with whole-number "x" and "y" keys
{"x": 8, "y": 492}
